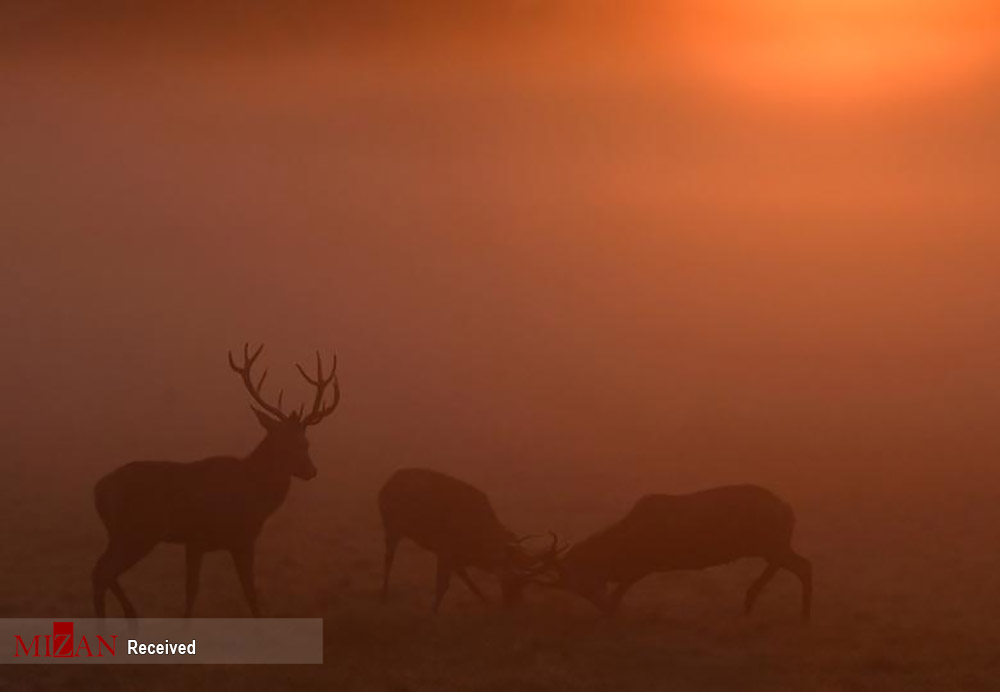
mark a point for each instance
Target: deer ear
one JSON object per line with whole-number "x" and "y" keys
{"x": 265, "y": 420}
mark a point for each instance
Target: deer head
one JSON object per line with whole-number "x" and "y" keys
{"x": 552, "y": 571}
{"x": 525, "y": 568}
{"x": 286, "y": 432}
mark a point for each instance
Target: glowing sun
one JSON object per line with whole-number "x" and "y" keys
{"x": 835, "y": 48}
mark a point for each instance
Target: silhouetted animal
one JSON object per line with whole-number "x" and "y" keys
{"x": 456, "y": 522}
{"x": 663, "y": 533}
{"x": 219, "y": 503}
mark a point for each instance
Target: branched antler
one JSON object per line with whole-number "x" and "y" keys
{"x": 547, "y": 560}
{"x": 244, "y": 371}
{"x": 320, "y": 409}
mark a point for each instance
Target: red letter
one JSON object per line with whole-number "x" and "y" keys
{"x": 17, "y": 638}
{"x": 83, "y": 644}
{"x": 62, "y": 639}
{"x": 101, "y": 640}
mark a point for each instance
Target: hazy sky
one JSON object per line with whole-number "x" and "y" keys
{"x": 746, "y": 238}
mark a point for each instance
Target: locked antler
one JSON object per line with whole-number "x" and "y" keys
{"x": 547, "y": 559}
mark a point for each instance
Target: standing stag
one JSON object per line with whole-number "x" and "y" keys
{"x": 219, "y": 503}
{"x": 662, "y": 533}
{"x": 456, "y": 522}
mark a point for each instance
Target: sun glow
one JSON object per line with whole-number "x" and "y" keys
{"x": 836, "y": 48}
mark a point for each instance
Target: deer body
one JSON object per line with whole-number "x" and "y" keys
{"x": 454, "y": 521}
{"x": 215, "y": 503}
{"x": 219, "y": 503}
{"x": 663, "y": 533}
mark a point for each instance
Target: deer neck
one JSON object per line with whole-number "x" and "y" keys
{"x": 269, "y": 478}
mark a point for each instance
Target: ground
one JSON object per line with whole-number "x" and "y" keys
{"x": 905, "y": 600}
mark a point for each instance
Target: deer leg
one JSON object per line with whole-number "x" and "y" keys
{"x": 615, "y": 599}
{"x": 115, "y": 559}
{"x": 243, "y": 560}
{"x": 801, "y": 568}
{"x": 464, "y": 576}
{"x": 599, "y": 597}
{"x": 100, "y": 583}
{"x": 441, "y": 583}
{"x": 391, "y": 541}
{"x": 127, "y": 608}
{"x": 758, "y": 585}
{"x": 192, "y": 568}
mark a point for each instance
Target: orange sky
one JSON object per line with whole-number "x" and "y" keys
{"x": 733, "y": 232}
{"x": 781, "y": 45}
{"x": 833, "y": 50}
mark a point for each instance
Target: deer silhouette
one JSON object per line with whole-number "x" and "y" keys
{"x": 662, "y": 533}
{"x": 218, "y": 503}
{"x": 456, "y": 522}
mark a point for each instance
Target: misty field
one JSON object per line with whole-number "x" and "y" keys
{"x": 569, "y": 251}
{"x": 907, "y": 594}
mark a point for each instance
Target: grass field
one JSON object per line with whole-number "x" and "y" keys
{"x": 906, "y": 600}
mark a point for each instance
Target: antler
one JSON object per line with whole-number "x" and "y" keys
{"x": 320, "y": 409}
{"x": 524, "y": 539}
{"x": 545, "y": 561}
{"x": 244, "y": 372}
{"x": 555, "y": 550}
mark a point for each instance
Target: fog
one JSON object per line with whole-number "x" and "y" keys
{"x": 570, "y": 252}
{"x": 534, "y": 256}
